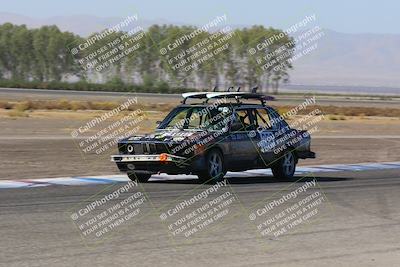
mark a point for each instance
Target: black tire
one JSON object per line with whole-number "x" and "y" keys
{"x": 140, "y": 177}
{"x": 215, "y": 167}
{"x": 285, "y": 167}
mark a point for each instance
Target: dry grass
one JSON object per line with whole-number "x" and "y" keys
{"x": 17, "y": 113}
{"x": 64, "y": 104}
{"x": 335, "y": 118}
{"x": 336, "y": 113}
{"x": 5, "y": 105}
{"x": 346, "y": 111}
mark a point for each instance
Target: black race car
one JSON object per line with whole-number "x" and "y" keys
{"x": 218, "y": 134}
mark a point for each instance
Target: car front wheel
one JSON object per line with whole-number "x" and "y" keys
{"x": 215, "y": 169}
{"x": 285, "y": 167}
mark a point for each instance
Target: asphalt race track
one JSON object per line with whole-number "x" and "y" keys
{"x": 357, "y": 222}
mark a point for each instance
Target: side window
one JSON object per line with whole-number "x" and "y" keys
{"x": 276, "y": 120}
{"x": 194, "y": 120}
{"x": 263, "y": 119}
{"x": 179, "y": 119}
{"x": 246, "y": 118}
{"x": 243, "y": 117}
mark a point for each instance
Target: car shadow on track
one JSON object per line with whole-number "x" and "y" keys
{"x": 258, "y": 180}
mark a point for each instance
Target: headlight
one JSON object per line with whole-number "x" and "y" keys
{"x": 130, "y": 148}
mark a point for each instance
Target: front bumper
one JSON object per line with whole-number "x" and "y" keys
{"x": 167, "y": 163}
{"x": 147, "y": 158}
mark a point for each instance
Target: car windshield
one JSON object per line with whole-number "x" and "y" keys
{"x": 197, "y": 117}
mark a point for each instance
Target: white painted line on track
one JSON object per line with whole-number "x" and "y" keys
{"x": 109, "y": 179}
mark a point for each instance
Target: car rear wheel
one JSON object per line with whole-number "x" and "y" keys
{"x": 285, "y": 167}
{"x": 140, "y": 177}
{"x": 215, "y": 168}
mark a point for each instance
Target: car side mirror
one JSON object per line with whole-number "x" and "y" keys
{"x": 158, "y": 123}
{"x": 236, "y": 126}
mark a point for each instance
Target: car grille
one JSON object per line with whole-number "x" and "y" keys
{"x": 144, "y": 148}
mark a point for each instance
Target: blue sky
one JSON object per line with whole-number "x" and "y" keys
{"x": 352, "y": 16}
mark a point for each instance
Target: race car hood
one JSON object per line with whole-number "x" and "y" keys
{"x": 174, "y": 136}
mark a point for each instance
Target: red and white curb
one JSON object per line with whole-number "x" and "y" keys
{"x": 109, "y": 179}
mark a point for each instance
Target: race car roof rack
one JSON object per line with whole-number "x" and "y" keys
{"x": 238, "y": 96}
{"x": 198, "y": 95}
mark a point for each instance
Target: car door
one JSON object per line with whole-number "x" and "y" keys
{"x": 243, "y": 147}
{"x": 284, "y": 131}
{"x": 265, "y": 137}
